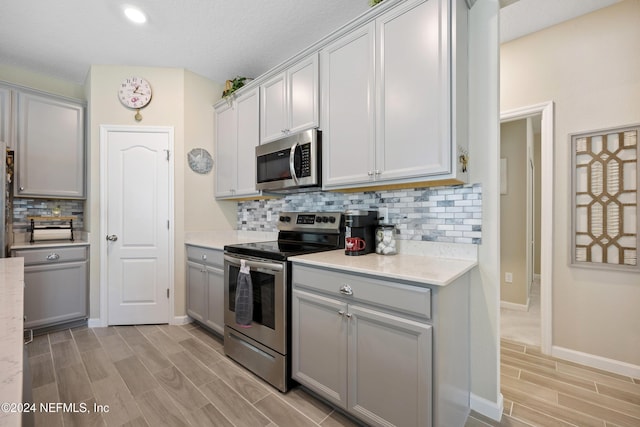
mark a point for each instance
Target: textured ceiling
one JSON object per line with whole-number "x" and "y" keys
{"x": 218, "y": 39}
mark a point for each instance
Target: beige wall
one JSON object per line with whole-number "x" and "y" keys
{"x": 202, "y": 212}
{"x": 513, "y": 213}
{"x": 589, "y": 68}
{"x": 184, "y": 101}
{"x": 41, "y": 82}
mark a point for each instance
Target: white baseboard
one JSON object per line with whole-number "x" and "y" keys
{"x": 486, "y": 407}
{"x": 599, "y": 362}
{"x": 94, "y": 323}
{"x": 513, "y": 306}
{"x": 181, "y": 320}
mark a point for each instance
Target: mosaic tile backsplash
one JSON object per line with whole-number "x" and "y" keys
{"x": 22, "y": 208}
{"x": 440, "y": 214}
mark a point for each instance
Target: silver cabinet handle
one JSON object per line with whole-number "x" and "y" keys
{"x": 112, "y": 237}
{"x": 377, "y": 171}
{"x": 21, "y": 188}
{"x": 341, "y": 312}
{"x": 204, "y": 257}
{"x": 53, "y": 257}
{"x": 346, "y": 290}
{"x": 370, "y": 173}
{"x": 349, "y": 315}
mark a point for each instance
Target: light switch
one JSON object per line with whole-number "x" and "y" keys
{"x": 508, "y": 277}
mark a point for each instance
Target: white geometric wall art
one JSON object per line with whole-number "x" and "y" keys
{"x": 605, "y": 198}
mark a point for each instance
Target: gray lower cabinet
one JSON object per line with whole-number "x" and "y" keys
{"x": 205, "y": 287}
{"x": 56, "y": 285}
{"x": 368, "y": 346}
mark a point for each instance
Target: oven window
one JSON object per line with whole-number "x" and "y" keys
{"x": 263, "y": 296}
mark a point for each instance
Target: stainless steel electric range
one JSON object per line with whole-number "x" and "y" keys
{"x": 264, "y": 345}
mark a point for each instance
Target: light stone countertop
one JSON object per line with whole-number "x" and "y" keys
{"x": 418, "y": 269}
{"x": 422, "y": 263}
{"x": 21, "y": 241}
{"x": 218, "y": 239}
{"x": 11, "y": 336}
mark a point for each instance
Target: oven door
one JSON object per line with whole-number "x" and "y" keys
{"x": 268, "y": 278}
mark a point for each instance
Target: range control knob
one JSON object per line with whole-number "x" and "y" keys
{"x": 325, "y": 219}
{"x": 318, "y": 219}
{"x": 332, "y": 219}
{"x": 287, "y": 219}
{"x": 281, "y": 219}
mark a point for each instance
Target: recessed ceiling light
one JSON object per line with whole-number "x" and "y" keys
{"x": 135, "y": 15}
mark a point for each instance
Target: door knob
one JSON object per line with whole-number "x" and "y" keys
{"x": 112, "y": 237}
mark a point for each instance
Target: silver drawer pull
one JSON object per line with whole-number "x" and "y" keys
{"x": 348, "y": 315}
{"x": 204, "y": 257}
{"x": 341, "y": 312}
{"x": 346, "y": 290}
{"x": 53, "y": 257}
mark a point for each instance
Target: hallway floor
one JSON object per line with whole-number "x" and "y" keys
{"x": 523, "y": 326}
{"x": 544, "y": 391}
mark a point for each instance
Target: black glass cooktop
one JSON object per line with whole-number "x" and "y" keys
{"x": 275, "y": 250}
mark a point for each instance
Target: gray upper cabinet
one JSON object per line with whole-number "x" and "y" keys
{"x": 289, "y": 100}
{"x": 237, "y": 135}
{"x": 6, "y": 128}
{"x": 50, "y": 152}
{"x": 388, "y": 90}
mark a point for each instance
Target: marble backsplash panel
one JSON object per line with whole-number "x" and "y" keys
{"x": 450, "y": 214}
{"x": 23, "y": 208}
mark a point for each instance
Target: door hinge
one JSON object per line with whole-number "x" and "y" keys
{"x": 168, "y": 225}
{"x": 167, "y": 292}
{"x": 168, "y": 154}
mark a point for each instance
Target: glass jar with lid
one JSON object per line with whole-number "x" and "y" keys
{"x": 386, "y": 239}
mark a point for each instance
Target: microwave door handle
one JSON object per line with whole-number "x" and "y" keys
{"x": 292, "y": 167}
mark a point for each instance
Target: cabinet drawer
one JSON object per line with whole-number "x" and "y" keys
{"x": 406, "y": 299}
{"x": 52, "y": 255}
{"x": 205, "y": 255}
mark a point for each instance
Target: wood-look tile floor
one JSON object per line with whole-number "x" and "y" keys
{"x": 179, "y": 376}
{"x": 159, "y": 376}
{"x": 539, "y": 390}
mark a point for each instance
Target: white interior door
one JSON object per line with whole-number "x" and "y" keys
{"x": 137, "y": 226}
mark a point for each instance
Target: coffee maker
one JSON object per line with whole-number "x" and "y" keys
{"x": 360, "y": 232}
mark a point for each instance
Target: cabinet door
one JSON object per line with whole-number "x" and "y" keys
{"x": 302, "y": 94}
{"x": 50, "y": 151}
{"x": 248, "y": 131}
{"x": 226, "y": 156}
{"x": 348, "y": 113}
{"x": 413, "y": 81}
{"x": 319, "y": 345}
{"x": 5, "y": 116}
{"x": 215, "y": 299}
{"x": 273, "y": 119}
{"x": 196, "y": 291}
{"x": 55, "y": 293}
{"x": 389, "y": 369}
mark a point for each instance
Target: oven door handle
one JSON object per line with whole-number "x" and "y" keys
{"x": 255, "y": 264}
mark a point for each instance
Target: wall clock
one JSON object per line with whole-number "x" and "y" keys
{"x": 200, "y": 160}
{"x": 135, "y": 92}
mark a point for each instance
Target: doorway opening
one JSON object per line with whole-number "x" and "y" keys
{"x": 526, "y": 224}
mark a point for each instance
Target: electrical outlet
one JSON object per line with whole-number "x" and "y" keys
{"x": 508, "y": 277}
{"x": 384, "y": 214}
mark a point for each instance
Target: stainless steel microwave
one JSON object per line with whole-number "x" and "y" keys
{"x": 292, "y": 163}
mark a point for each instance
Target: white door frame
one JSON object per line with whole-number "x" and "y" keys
{"x": 546, "y": 211}
{"x": 104, "y": 131}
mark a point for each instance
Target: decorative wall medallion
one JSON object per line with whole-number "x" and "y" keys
{"x": 605, "y": 197}
{"x": 200, "y": 160}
